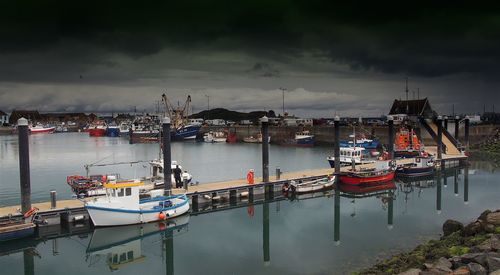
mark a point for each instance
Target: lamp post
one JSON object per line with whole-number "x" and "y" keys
{"x": 208, "y": 106}
{"x": 283, "y": 94}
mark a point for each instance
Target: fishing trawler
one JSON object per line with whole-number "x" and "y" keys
{"x": 42, "y": 129}
{"x": 382, "y": 171}
{"x": 181, "y": 129}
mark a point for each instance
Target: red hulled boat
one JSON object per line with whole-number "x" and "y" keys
{"x": 97, "y": 129}
{"x": 381, "y": 173}
{"x": 41, "y": 129}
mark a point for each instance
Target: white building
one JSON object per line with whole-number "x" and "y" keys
{"x": 196, "y": 121}
{"x": 4, "y": 118}
{"x": 216, "y": 122}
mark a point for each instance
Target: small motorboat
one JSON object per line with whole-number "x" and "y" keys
{"x": 300, "y": 187}
{"x": 42, "y": 129}
{"x": 256, "y": 139}
{"x": 302, "y": 139}
{"x": 382, "y": 172}
{"x": 420, "y": 168}
{"x": 215, "y": 137}
{"x": 122, "y": 206}
{"x": 113, "y": 130}
{"x": 361, "y": 142}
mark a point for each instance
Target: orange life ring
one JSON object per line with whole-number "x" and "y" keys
{"x": 30, "y": 212}
{"x": 161, "y": 216}
{"x": 250, "y": 177}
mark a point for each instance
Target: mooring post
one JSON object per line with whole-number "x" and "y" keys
{"x": 336, "y": 218}
{"x": 455, "y": 183}
{"x": 130, "y": 135}
{"x": 232, "y": 197}
{"x": 438, "y": 193}
{"x": 265, "y": 148}
{"x": 24, "y": 164}
{"x": 336, "y": 147}
{"x": 278, "y": 173}
{"x": 466, "y": 185}
{"x": 439, "y": 137}
{"x": 29, "y": 262}
{"x": 445, "y": 122}
{"x": 167, "y": 157}
{"x": 466, "y": 136}
{"x": 390, "y": 211}
{"x": 457, "y": 126}
{"x": 445, "y": 178}
{"x": 265, "y": 234}
{"x": 53, "y": 200}
{"x": 168, "y": 243}
{"x": 194, "y": 202}
{"x": 390, "y": 122}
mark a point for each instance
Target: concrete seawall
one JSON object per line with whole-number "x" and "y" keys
{"x": 324, "y": 134}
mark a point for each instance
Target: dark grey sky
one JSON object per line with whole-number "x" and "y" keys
{"x": 345, "y": 57}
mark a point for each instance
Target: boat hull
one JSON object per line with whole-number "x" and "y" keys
{"x": 18, "y": 231}
{"x": 406, "y": 154}
{"x": 185, "y": 132}
{"x": 353, "y": 179}
{"x": 113, "y": 132}
{"x": 48, "y": 130}
{"x": 97, "y": 132}
{"x": 414, "y": 171}
{"x": 102, "y": 216}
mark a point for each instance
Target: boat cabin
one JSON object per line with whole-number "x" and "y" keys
{"x": 124, "y": 192}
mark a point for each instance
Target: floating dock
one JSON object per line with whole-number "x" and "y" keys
{"x": 75, "y": 206}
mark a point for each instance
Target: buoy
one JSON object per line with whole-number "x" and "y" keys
{"x": 161, "y": 216}
{"x": 250, "y": 176}
{"x": 250, "y": 211}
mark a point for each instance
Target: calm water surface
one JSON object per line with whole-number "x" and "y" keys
{"x": 303, "y": 236}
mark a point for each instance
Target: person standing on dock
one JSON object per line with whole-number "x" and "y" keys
{"x": 177, "y": 175}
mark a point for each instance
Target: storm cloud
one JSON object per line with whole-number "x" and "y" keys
{"x": 333, "y": 47}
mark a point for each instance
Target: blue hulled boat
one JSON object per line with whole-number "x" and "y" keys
{"x": 185, "y": 132}
{"x": 113, "y": 131}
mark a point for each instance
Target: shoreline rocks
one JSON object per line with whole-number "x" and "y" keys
{"x": 472, "y": 249}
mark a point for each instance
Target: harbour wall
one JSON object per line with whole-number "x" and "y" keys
{"x": 324, "y": 134}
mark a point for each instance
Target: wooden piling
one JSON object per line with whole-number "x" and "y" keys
{"x": 167, "y": 156}
{"x": 24, "y": 164}
{"x": 439, "y": 137}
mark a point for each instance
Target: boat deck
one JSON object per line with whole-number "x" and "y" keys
{"x": 75, "y": 203}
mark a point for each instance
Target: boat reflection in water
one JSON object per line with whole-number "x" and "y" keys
{"x": 121, "y": 246}
{"x": 383, "y": 191}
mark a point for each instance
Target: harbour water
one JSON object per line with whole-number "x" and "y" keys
{"x": 301, "y": 236}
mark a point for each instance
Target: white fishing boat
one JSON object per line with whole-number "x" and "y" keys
{"x": 298, "y": 186}
{"x": 215, "y": 137}
{"x": 347, "y": 154}
{"x": 122, "y": 206}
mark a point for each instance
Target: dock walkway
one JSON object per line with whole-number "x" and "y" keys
{"x": 207, "y": 187}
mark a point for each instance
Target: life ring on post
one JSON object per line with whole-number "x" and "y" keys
{"x": 250, "y": 210}
{"x": 250, "y": 176}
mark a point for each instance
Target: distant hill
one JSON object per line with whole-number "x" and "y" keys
{"x": 225, "y": 114}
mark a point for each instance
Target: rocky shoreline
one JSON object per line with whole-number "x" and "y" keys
{"x": 472, "y": 249}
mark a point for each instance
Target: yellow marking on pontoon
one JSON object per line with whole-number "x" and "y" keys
{"x": 123, "y": 184}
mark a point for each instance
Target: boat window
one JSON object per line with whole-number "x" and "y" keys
{"x": 130, "y": 255}
{"x": 128, "y": 191}
{"x": 115, "y": 258}
{"x": 120, "y": 192}
{"x": 160, "y": 170}
{"x": 123, "y": 257}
